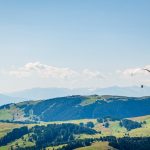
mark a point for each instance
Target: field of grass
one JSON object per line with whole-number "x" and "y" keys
{"x": 97, "y": 146}
{"x": 4, "y": 148}
{"x": 93, "y": 98}
{"x": 5, "y": 115}
{"x": 114, "y": 129}
{"x": 7, "y": 127}
{"x": 22, "y": 142}
{"x": 145, "y": 130}
{"x": 90, "y": 100}
{"x": 142, "y": 118}
{"x": 140, "y": 132}
{"x": 55, "y": 147}
{"x": 11, "y": 114}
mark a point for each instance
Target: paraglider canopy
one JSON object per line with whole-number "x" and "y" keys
{"x": 142, "y": 86}
{"x": 146, "y": 70}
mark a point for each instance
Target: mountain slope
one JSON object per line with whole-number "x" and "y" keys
{"x": 45, "y": 93}
{"x": 76, "y": 107}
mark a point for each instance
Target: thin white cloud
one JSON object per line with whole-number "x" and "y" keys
{"x": 47, "y": 71}
{"x": 42, "y": 70}
{"x": 92, "y": 74}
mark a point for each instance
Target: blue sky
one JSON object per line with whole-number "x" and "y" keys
{"x": 100, "y": 37}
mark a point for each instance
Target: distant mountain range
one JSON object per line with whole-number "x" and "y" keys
{"x": 76, "y": 107}
{"x": 5, "y": 99}
{"x": 46, "y": 93}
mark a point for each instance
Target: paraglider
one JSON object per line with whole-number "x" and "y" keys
{"x": 142, "y": 86}
{"x": 144, "y": 69}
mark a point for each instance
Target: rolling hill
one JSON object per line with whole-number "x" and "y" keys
{"x": 76, "y": 107}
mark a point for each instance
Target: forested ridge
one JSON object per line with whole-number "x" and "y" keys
{"x": 76, "y": 107}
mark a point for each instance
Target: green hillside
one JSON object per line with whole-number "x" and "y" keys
{"x": 76, "y": 107}
{"x": 97, "y": 146}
